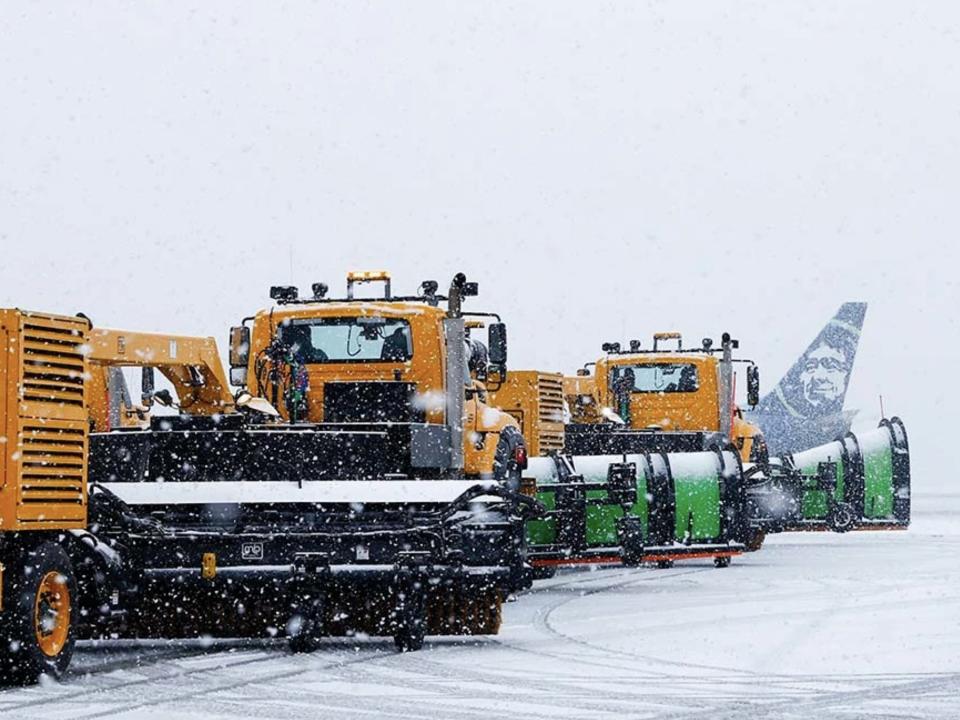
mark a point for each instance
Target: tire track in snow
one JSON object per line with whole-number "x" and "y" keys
{"x": 162, "y": 678}
{"x": 176, "y": 696}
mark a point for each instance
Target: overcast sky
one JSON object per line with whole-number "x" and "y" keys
{"x": 604, "y": 170}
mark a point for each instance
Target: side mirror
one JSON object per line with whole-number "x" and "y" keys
{"x": 497, "y": 335}
{"x": 753, "y": 385}
{"x": 239, "y": 354}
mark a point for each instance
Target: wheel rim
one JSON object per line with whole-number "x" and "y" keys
{"x": 52, "y": 614}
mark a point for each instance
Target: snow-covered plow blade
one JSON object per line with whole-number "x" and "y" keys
{"x": 634, "y": 508}
{"x": 859, "y": 482}
{"x": 291, "y": 555}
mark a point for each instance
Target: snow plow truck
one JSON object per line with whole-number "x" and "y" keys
{"x": 375, "y": 505}
{"x": 648, "y": 458}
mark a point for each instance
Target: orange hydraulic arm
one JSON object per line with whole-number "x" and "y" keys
{"x": 191, "y": 364}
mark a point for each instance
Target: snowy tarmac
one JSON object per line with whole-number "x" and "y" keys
{"x": 865, "y": 625}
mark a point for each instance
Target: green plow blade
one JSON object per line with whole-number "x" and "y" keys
{"x": 660, "y": 506}
{"x": 859, "y": 482}
{"x": 637, "y": 507}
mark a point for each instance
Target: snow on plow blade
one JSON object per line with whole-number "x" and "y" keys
{"x": 859, "y": 482}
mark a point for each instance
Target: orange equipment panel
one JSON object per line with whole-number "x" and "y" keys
{"x": 43, "y": 421}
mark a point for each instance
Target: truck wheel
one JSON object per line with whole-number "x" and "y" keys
{"x": 505, "y": 468}
{"x": 544, "y": 572}
{"x": 841, "y": 517}
{"x": 664, "y": 564}
{"x": 36, "y": 631}
{"x": 721, "y": 561}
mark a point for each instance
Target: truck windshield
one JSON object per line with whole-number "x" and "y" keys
{"x": 656, "y": 377}
{"x": 349, "y": 339}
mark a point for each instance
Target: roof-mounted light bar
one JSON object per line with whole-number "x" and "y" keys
{"x": 427, "y": 292}
{"x": 368, "y": 276}
{"x": 355, "y": 277}
{"x": 663, "y": 336}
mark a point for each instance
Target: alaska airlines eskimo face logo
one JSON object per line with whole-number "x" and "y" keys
{"x": 823, "y": 377}
{"x": 817, "y": 384}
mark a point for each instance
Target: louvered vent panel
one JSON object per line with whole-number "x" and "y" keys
{"x": 551, "y": 413}
{"x": 52, "y": 463}
{"x": 53, "y": 361}
{"x": 53, "y": 426}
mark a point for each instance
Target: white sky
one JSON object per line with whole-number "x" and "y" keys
{"x": 604, "y": 170}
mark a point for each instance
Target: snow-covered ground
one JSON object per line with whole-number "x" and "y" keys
{"x": 865, "y": 625}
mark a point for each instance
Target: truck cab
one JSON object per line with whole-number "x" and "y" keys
{"x": 681, "y": 395}
{"x": 399, "y": 360}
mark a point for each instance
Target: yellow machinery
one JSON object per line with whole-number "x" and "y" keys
{"x": 108, "y": 511}
{"x": 192, "y": 365}
{"x": 43, "y": 484}
{"x": 679, "y": 392}
{"x": 396, "y": 359}
{"x": 535, "y": 400}
{"x": 676, "y": 399}
{"x": 55, "y": 383}
{"x": 44, "y": 434}
{"x": 580, "y": 396}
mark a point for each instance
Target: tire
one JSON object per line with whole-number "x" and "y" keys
{"x": 505, "y": 470}
{"x": 841, "y": 518}
{"x": 722, "y": 561}
{"x": 664, "y": 564}
{"x": 544, "y": 572}
{"x": 37, "y": 632}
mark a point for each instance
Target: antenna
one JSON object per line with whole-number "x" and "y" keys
{"x": 290, "y": 248}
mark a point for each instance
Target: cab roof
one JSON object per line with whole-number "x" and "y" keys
{"x": 353, "y": 308}
{"x": 692, "y": 357}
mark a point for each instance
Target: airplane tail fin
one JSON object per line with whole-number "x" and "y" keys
{"x": 812, "y": 392}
